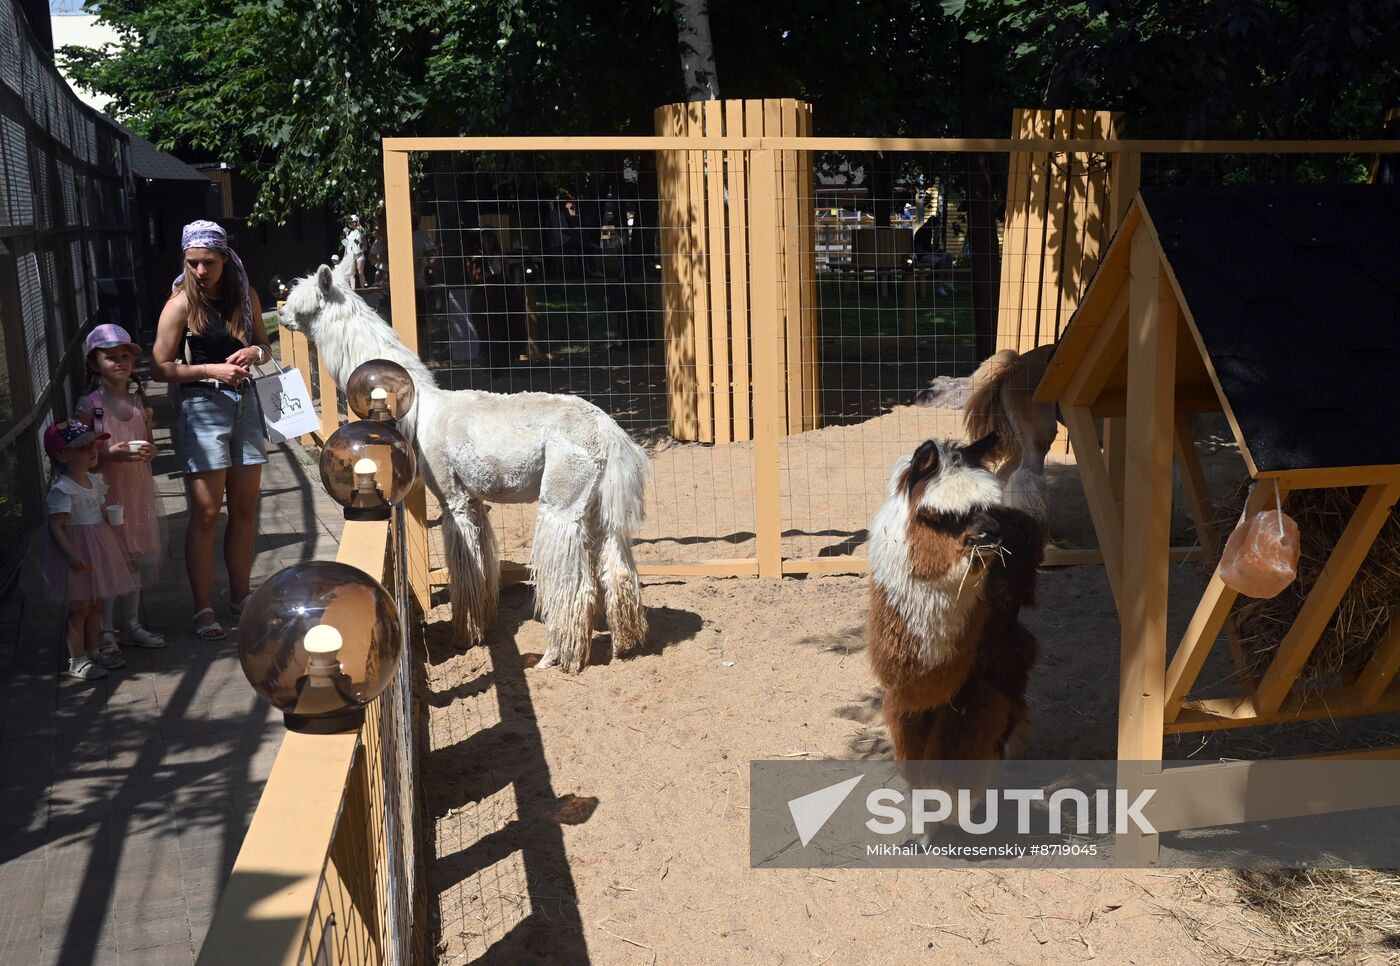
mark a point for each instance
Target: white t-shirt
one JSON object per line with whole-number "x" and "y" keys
{"x": 83, "y": 506}
{"x": 354, "y": 244}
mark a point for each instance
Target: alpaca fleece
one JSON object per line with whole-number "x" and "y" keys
{"x": 953, "y": 560}
{"x": 478, "y": 447}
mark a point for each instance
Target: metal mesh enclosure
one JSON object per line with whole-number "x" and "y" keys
{"x": 766, "y": 321}
{"x": 65, "y": 238}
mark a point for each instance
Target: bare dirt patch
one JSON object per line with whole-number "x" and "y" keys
{"x": 603, "y": 817}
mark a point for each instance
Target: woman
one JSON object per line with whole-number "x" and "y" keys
{"x": 209, "y": 336}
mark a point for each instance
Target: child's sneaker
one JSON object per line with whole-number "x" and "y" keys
{"x": 85, "y": 669}
{"x": 140, "y": 637}
{"x": 109, "y": 655}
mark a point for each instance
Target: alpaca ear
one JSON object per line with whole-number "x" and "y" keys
{"x": 922, "y": 465}
{"x": 975, "y": 453}
{"x": 324, "y": 279}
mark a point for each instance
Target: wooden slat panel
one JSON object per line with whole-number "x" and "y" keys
{"x": 681, "y": 389}
{"x": 717, "y": 266}
{"x": 1124, "y": 176}
{"x": 737, "y": 163}
{"x": 1014, "y": 242}
{"x": 1045, "y": 325}
{"x": 1097, "y": 230}
{"x": 1352, "y": 547}
{"x": 1042, "y": 125}
{"x": 698, "y": 277}
{"x": 1075, "y": 220}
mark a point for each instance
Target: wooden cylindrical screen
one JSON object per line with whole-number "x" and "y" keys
{"x": 705, "y": 229}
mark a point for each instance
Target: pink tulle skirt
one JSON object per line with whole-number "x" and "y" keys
{"x": 142, "y": 533}
{"x": 96, "y": 543}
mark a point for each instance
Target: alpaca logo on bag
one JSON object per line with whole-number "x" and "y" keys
{"x": 288, "y": 404}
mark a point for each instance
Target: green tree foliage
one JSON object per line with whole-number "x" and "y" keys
{"x": 299, "y": 92}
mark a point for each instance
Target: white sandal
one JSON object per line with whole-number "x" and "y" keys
{"x": 212, "y": 631}
{"x": 140, "y": 637}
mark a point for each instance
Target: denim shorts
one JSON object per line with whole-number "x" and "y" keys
{"x": 218, "y": 428}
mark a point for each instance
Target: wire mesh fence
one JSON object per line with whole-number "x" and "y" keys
{"x": 66, "y": 253}
{"x": 643, "y": 281}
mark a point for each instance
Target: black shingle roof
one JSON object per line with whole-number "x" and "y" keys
{"x": 1296, "y": 294}
{"x": 149, "y": 161}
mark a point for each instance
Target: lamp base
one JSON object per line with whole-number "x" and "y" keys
{"x": 331, "y": 724}
{"x": 370, "y": 513}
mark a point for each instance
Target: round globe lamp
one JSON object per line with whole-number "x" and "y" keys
{"x": 380, "y": 390}
{"x": 320, "y": 640}
{"x": 368, "y": 467}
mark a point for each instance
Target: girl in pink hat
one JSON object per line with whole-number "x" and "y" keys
{"x": 120, "y": 414}
{"x": 80, "y": 561}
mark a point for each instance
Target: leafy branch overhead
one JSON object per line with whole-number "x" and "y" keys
{"x": 298, "y": 93}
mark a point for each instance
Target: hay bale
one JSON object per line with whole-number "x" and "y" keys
{"x": 1365, "y": 612}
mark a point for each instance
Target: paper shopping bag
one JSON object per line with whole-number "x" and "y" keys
{"x": 287, "y": 410}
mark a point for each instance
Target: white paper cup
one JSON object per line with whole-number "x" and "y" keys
{"x": 116, "y": 514}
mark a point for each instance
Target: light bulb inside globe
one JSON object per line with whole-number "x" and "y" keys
{"x": 379, "y": 405}
{"x": 322, "y": 639}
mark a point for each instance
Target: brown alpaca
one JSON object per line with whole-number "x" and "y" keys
{"x": 953, "y": 560}
{"x": 1000, "y": 398}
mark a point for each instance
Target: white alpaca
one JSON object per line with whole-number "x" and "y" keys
{"x": 479, "y": 447}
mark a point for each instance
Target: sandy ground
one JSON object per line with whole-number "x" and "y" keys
{"x": 603, "y": 817}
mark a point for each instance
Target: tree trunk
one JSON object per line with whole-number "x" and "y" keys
{"x": 981, "y": 212}
{"x": 697, "y": 50}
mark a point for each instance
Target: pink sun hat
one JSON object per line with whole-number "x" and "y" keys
{"x": 109, "y": 336}
{"x": 70, "y": 434}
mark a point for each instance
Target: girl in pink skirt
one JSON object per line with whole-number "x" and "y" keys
{"x": 125, "y": 459}
{"x": 80, "y": 562}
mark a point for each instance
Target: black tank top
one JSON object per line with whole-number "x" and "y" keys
{"x": 216, "y": 344}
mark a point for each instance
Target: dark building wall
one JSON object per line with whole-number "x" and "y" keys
{"x": 162, "y": 209}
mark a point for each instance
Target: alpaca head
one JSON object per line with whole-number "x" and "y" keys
{"x": 310, "y": 297}
{"x": 347, "y": 331}
{"x": 949, "y": 493}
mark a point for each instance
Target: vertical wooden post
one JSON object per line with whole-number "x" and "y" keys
{"x": 1124, "y": 178}
{"x": 681, "y": 388}
{"x": 770, "y": 413}
{"x": 398, "y": 218}
{"x": 738, "y": 187}
{"x": 717, "y": 292}
{"x": 330, "y": 413}
{"x": 1152, "y": 321}
{"x": 301, "y": 351}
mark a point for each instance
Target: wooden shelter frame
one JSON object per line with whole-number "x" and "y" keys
{"x": 1136, "y": 358}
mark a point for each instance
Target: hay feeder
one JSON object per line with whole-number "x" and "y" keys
{"x": 1279, "y": 307}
